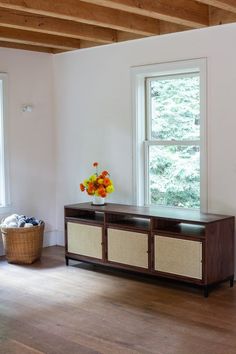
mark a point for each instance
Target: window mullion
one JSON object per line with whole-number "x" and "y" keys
{"x": 172, "y": 142}
{"x": 146, "y": 174}
{"x": 148, "y": 109}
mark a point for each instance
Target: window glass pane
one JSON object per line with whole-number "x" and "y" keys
{"x": 174, "y": 175}
{"x": 175, "y": 107}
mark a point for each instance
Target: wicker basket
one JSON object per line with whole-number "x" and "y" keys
{"x": 23, "y": 245}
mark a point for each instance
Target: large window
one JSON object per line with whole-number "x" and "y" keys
{"x": 170, "y": 154}
{"x": 4, "y": 194}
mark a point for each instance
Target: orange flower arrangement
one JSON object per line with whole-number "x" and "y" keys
{"x": 98, "y": 184}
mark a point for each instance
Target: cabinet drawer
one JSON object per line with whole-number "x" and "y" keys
{"x": 128, "y": 248}
{"x": 178, "y": 256}
{"x": 85, "y": 240}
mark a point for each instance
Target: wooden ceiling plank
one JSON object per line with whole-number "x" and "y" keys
{"x": 88, "y": 44}
{"x": 168, "y": 27}
{"x": 43, "y": 24}
{"x": 58, "y": 51}
{"x": 220, "y": 17}
{"x": 13, "y": 45}
{"x": 78, "y": 11}
{"x": 125, "y": 36}
{"x": 39, "y": 39}
{"x": 183, "y": 12}
{"x": 227, "y": 5}
{"x": 34, "y": 43}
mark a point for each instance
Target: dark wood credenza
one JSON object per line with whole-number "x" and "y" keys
{"x": 187, "y": 245}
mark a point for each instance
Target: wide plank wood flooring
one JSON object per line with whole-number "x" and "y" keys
{"x": 50, "y": 308}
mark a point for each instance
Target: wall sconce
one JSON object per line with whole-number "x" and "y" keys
{"x": 27, "y": 108}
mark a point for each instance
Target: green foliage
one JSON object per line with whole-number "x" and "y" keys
{"x": 175, "y": 169}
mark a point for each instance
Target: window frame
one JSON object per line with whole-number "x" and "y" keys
{"x": 4, "y": 170}
{"x": 140, "y": 143}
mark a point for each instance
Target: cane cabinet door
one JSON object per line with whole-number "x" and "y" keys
{"x": 85, "y": 240}
{"x": 178, "y": 256}
{"x": 128, "y": 247}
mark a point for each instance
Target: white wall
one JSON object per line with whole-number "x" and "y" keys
{"x": 31, "y": 136}
{"x": 94, "y": 119}
{"x": 94, "y": 113}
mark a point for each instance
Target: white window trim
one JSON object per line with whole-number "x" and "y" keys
{"x": 4, "y": 153}
{"x": 138, "y": 75}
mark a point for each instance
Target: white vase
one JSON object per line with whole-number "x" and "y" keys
{"x": 98, "y": 200}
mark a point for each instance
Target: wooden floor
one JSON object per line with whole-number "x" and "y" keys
{"x": 50, "y": 308}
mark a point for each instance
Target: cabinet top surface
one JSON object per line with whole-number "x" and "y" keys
{"x": 151, "y": 211}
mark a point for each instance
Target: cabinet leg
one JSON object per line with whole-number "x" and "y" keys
{"x": 67, "y": 261}
{"x": 206, "y": 291}
{"x": 231, "y": 282}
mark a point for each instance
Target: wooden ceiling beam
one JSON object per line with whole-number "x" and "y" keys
{"x": 79, "y": 11}
{"x": 38, "y": 39}
{"x": 227, "y": 5}
{"x": 43, "y": 24}
{"x": 183, "y": 12}
{"x": 165, "y": 27}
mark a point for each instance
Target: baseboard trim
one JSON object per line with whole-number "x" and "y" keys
{"x": 50, "y": 238}
{"x": 60, "y": 238}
